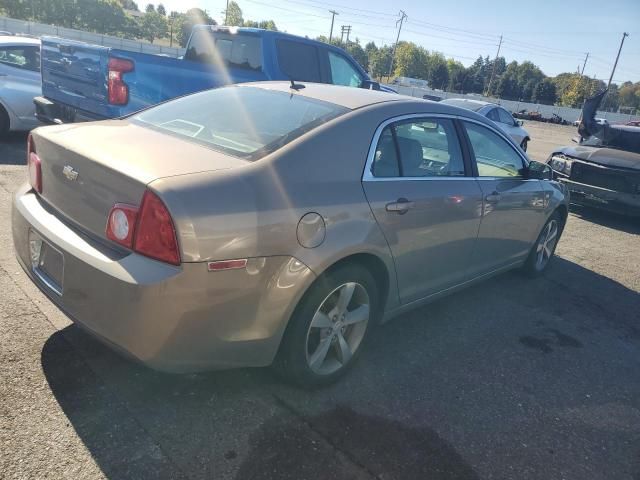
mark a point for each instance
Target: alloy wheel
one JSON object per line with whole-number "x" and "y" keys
{"x": 546, "y": 244}
{"x": 337, "y": 328}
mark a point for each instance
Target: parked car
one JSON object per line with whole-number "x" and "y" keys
{"x": 634, "y": 123}
{"x": 496, "y": 113}
{"x": 603, "y": 171}
{"x": 194, "y": 240}
{"x": 89, "y": 82}
{"x": 19, "y": 82}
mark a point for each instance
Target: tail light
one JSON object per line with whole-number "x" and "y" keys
{"x": 147, "y": 230}
{"x": 34, "y": 166}
{"x": 118, "y": 90}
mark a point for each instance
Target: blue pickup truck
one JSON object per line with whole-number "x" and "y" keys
{"x": 88, "y": 82}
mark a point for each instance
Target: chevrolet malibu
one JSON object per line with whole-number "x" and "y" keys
{"x": 275, "y": 223}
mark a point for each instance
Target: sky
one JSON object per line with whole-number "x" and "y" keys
{"x": 556, "y": 35}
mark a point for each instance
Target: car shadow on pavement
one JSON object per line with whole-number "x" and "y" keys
{"x": 616, "y": 221}
{"x": 245, "y": 424}
{"x": 13, "y": 148}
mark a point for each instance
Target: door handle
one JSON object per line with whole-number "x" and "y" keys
{"x": 401, "y": 206}
{"x": 493, "y": 197}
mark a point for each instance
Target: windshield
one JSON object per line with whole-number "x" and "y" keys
{"x": 246, "y": 122}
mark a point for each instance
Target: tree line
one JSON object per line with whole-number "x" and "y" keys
{"x": 511, "y": 81}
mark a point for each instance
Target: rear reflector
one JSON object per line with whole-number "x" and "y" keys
{"x": 34, "y": 166}
{"x": 227, "y": 265}
{"x": 121, "y": 224}
{"x": 155, "y": 234}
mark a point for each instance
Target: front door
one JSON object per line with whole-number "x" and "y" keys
{"x": 426, "y": 203}
{"x": 513, "y": 206}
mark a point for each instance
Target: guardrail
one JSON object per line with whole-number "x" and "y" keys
{"x": 38, "y": 29}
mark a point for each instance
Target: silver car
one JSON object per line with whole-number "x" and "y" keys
{"x": 19, "y": 82}
{"x": 501, "y": 117}
{"x": 275, "y": 222}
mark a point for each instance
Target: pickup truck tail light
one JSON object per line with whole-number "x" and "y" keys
{"x": 34, "y": 165}
{"x": 118, "y": 89}
{"x": 147, "y": 230}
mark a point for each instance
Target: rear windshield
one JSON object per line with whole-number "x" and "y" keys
{"x": 246, "y": 122}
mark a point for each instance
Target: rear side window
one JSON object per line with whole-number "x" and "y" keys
{"x": 493, "y": 115}
{"x": 427, "y": 147}
{"x": 246, "y": 122}
{"x": 237, "y": 51}
{"x": 25, "y": 57}
{"x": 299, "y": 61}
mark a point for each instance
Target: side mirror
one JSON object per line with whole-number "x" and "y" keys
{"x": 519, "y": 123}
{"x": 370, "y": 85}
{"x": 539, "y": 171}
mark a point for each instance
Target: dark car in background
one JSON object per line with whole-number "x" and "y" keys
{"x": 604, "y": 169}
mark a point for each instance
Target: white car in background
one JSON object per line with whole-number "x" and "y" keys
{"x": 20, "y": 81}
{"x": 501, "y": 117}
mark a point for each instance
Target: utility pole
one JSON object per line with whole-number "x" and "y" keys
{"x": 493, "y": 70}
{"x": 333, "y": 16}
{"x": 585, "y": 64}
{"x": 403, "y": 17}
{"x": 345, "y": 29}
{"x": 624, "y": 35}
{"x": 226, "y": 13}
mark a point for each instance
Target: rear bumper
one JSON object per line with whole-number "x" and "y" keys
{"x": 49, "y": 111}
{"x": 589, "y": 195}
{"x": 175, "y": 319}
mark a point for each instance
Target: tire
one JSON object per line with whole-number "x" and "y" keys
{"x": 314, "y": 346}
{"x": 543, "y": 250}
{"x": 523, "y": 144}
{"x": 5, "y": 123}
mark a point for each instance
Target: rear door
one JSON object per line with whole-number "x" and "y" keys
{"x": 513, "y": 206}
{"x": 424, "y": 199}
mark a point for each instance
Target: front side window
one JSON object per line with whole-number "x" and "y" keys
{"x": 26, "y": 58}
{"x": 343, "y": 72}
{"x": 237, "y": 51}
{"x": 495, "y": 157}
{"x": 246, "y": 122}
{"x": 419, "y": 148}
{"x": 505, "y": 117}
{"x": 299, "y": 61}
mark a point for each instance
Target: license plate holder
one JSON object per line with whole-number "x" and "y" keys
{"x": 47, "y": 262}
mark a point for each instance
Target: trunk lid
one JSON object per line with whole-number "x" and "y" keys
{"x": 89, "y": 167}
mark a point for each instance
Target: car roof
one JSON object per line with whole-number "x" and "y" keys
{"x": 349, "y": 97}
{"x": 18, "y": 40}
{"x": 467, "y": 103}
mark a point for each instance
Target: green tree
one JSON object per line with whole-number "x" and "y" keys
{"x": 437, "y": 71}
{"x": 379, "y": 62}
{"x": 161, "y": 10}
{"x": 358, "y": 53}
{"x": 233, "y": 15}
{"x": 410, "y": 61}
{"x": 153, "y": 25}
{"x": 149, "y": 8}
{"x": 129, "y": 5}
{"x": 193, "y": 16}
{"x": 102, "y": 16}
{"x": 457, "y": 73}
{"x": 266, "y": 24}
{"x": 545, "y": 92}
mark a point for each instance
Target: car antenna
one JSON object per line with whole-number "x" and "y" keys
{"x": 295, "y": 86}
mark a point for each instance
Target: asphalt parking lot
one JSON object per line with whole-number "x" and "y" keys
{"x": 511, "y": 379}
